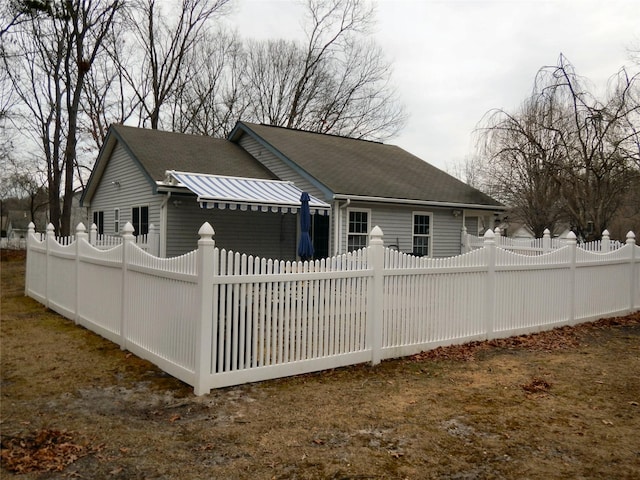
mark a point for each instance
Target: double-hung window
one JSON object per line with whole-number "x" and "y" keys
{"x": 140, "y": 220}
{"x": 98, "y": 220}
{"x": 358, "y": 229}
{"x": 422, "y": 234}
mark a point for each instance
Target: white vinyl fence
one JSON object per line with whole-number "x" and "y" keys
{"x": 537, "y": 246}
{"x": 214, "y": 318}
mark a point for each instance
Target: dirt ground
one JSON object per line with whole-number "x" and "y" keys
{"x": 563, "y": 404}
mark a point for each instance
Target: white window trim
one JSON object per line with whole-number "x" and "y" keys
{"x": 349, "y": 233}
{"x": 430, "y": 236}
{"x": 116, "y": 220}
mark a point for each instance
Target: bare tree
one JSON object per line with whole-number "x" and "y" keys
{"x": 565, "y": 155}
{"x": 50, "y": 57}
{"x": 212, "y": 97}
{"x": 522, "y": 162}
{"x": 336, "y": 82}
{"x": 107, "y": 96}
{"x": 166, "y": 46}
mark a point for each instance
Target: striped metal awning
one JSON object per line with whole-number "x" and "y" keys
{"x": 236, "y": 193}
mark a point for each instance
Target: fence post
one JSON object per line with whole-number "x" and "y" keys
{"x": 81, "y": 235}
{"x": 376, "y": 294}
{"x": 546, "y": 241}
{"x": 127, "y": 240}
{"x": 573, "y": 246}
{"x": 206, "y": 272}
{"x": 31, "y": 231}
{"x": 605, "y": 243}
{"x": 93, "y": 234}
{"x": 464, "y": 241}
{"x": 153, "y": 241}
{"x": 631, "y": 240}
{"x": 490, "y": 292}
{"x": 51, "y": 237}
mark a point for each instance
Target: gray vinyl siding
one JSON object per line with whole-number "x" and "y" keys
{"x": 134, "y": 190}
{"x": 396, "y": 223}
{"x": 446, "y": 230}
{"x": 264, "y": 234}
{"x": 278, "y": 167}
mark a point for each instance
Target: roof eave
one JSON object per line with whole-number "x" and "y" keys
{"x": 427, "y": 203}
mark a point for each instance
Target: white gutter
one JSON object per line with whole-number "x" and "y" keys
{"x": 431, "y": 203}
{"x": 337, "y": 225}
{"x": 163, "y": 225}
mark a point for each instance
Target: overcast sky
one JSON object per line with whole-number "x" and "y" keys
{"x": 456, "y": 59}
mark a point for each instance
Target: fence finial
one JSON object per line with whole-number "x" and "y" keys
{"x": 206, "y": 232}
{"x": 81, "y": 228}
{"x": 376, "y": 236}
{"x": 51, "y": 230}
{"x": 571, "y": 237}
{"x": 489, "y": 236}
{"x": 631, "y": 237}
{"x": 31, "y": 227}
{"x": 128, "y": 230}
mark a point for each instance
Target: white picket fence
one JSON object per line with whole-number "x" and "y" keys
{"x": 537, "y": 246}
{"x": 149, "y": 242}
{"x": 214, "y": 318}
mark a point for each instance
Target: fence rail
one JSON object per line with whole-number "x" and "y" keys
{"x": 215, "y": 318}
{"x": 537, "y": 246}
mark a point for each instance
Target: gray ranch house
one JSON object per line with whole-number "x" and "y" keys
{"x": 248, "y": 188}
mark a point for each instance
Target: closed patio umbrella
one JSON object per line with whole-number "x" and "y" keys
{"x": 305, "y": 246}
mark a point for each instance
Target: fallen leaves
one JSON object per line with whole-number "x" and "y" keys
{"x": 537, "y": 385}
{"x": 560, "y": 338}
{"x": 45, "y": 451}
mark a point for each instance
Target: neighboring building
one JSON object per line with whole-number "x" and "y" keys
{"x": 177, "y": 182}
{"x": 17, "y": 224}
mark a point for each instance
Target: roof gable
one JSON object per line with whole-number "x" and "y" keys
{"x": 157, "y": 151}
{"x": 364, "y": 168}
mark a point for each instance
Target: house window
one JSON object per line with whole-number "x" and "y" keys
{"x": 98, "y": 221}
{"x": 140, "y": 220}
{"x": 358, "y": 229}
{"x": 116, "y": 220}
{"x": 422, "y": 234}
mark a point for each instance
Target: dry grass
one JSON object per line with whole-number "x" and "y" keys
{"x": 564, "y": 404}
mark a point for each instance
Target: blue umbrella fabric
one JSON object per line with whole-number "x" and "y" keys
{"x": 305, "y": 246}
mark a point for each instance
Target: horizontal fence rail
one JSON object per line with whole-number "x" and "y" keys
{"x": 214, "y": 318}
{"x": 537, "y": 246}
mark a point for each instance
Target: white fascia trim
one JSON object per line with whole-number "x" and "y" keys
{"x": 429, "y": 203}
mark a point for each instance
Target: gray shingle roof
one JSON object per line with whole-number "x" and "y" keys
{"x": 363, "y": 168}
{"x": 159, "y": 151}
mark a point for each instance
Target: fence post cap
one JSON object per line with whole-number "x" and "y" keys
{"x": 376, "y": 236}
{"x": 206, "y": 230}
{"x": 464, "y": 229}
{"x": 489, "y": 234}
{"x": 127, "y": 230}
{"x": 571, "y": 237}
{"x": 605, "y": 233}
{"x": 546, "y": 232}
{"x": 81, "y": 228}
{"x": 31, "y": 227}
{"x": 631, "y": 237}
{"x": 50, "y": 229}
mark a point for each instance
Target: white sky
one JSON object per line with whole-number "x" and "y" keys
{"x": 456, "y": 59}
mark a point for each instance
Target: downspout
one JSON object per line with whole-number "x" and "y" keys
{"x": 163, "y": 226}
{"x": 337, "y": 225}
